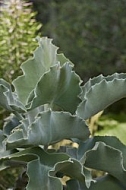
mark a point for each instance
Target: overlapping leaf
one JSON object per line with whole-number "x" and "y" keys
{"x": 48, "y": 128}
{"x": 10, "y": 123}
{"x": 58, "y": 87}
{"x": 93, "y": 81}
{"x": 108, "y": 140}
{"x": 107, "y": 159}
{"x": 8, "y": 99}
{"x": 38, "y": 165}
{"x": 107, "y": 182}
{"x": 108, "y": 154}
{"x": 45, "y": 56}
{"x": 43, "y": 168}
{"x": 38, "y": 171}
{"x": 3, "y": 151}
{"x": 73, "y": 169}
{"x": 99, "y": 94}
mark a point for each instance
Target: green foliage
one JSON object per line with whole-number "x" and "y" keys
{"x": 112, "y": 125}
{"x": 48, "y": 104}
{"x": 17, "y": 30}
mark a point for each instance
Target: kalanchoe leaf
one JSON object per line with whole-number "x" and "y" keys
{"x": 38, "y": 177}
{"x": 45, "y": 56}
{"x": 93, "y": 81}
{"x": 38, "y": 163}
{"x": 106, "y": 182}
{"x": 73, "y": 169}
{"x": 71, "y": 151}
{"x": 48, "y": 128}
{"x": 10, "y": 123}
{"x": 108, "y": 154}
{"x": 98, "y": 96}
{"x": 38, "y": 171}
{"x": 3, "y": 152}
{"x": 106, "y": 159}
{"x": 112, "y": 141}
{"x": 59, "y": 87}
{"x": 33, "y": 114}
{"x": 9, "y": 99}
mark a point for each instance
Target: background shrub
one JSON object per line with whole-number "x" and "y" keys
{"x": 17, "y": 36}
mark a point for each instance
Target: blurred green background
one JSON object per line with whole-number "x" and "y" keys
{"x": 92, "y": 34}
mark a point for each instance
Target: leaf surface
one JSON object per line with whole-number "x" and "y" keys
{"x": 100, "y": 93}
{"x": 48, "y": 128}
{"x": 58, "y": 87}
{"x": 38, "y": 164}
{"x": 106, "y": 182}
{"x": 9, "y": 99}
{"x": 108, "y": 159}
{"x": 45, "y": 56}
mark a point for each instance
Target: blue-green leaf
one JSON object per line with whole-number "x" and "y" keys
{"x": 9, "y": 99}
{"x": 38, "y": 163}
{"x": 106, "y": 182}
{"x": 48, "y": 128}
{"x": 99, "y": 94}
{"x": 108, "y": 159}
{"x": 58, "y": 87}
{"x": 45, "y": 56}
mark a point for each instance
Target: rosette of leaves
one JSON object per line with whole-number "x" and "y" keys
{"x": 48, "y": 104}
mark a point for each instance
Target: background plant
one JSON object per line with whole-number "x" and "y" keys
{"x": 17, "y": 29}
{"x": 48, "y": 103}
{"x": 112, "y": 124}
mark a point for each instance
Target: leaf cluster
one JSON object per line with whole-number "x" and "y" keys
{"x": 48, "y": 104}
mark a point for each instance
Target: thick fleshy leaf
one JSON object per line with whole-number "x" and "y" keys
{"x": 93, "y": 81}
{"x": 44, "y": 167}
{"x": 71, "y": 151}
{"x": 15, "y": 158}
{"x": 39, "y": 179}
{"x": 33, "y": 114}
{"x": 48, "y": 128}
{"x": 107, "y": 158}
{"x": 38, "y": 163}
{"x": 3, "y": 151}
{"x": 112, "y": 160}
{"x": 45, "y": 56}
{"x": 98, "y": 96}
{"x": 73, "y": 169}
{"x": 107, "y": 182}
{"x": 108, "y": 154}
{"x": 112, "y": 141}
{"x": 10, "y": 123}
{"x": 38, "y": 171}
{"x": 8, "y": 99}
{"x": 58, "y": 87}
{"x": 68, "y": 168}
